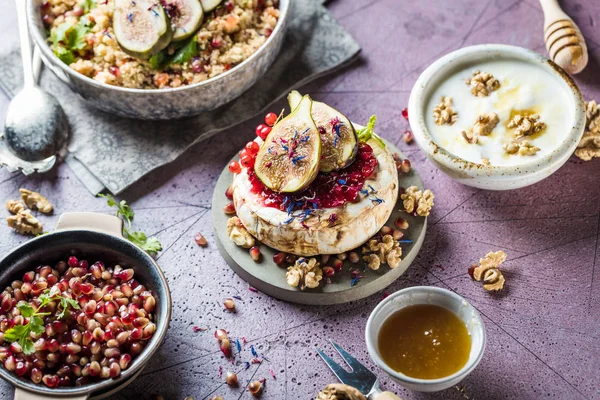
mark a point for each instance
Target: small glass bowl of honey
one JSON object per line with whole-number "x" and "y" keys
{"x": 426, "y": 338}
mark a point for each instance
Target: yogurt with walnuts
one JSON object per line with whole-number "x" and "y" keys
{"x": 521, "y": 89}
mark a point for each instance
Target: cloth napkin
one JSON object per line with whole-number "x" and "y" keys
{"x": 109, "y": 152}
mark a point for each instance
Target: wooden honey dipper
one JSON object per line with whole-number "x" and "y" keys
{"x": 564, "y": 41}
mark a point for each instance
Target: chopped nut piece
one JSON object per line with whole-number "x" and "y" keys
{"x": 239, "y": 234}
{"x": 482, "y": 83}
{"x": 526, "y": 125}
{"x": 443, "y": 112}
{"x": 25, "y": 223}
{"x": 488, "y": 271}
{"x": 414, "y": 198}
{"x": 483, "y": 126}
{"x": 524, "y": 148}
{"x": 382, "y": 250}
{"x": 339, "y": 391}
{"x": 589, "y": 146}
{"x": 485, "y": 161}
{"x": 304, "y": 273}
{"x": 14, "y": 206}
{"x": 36, "y": 201}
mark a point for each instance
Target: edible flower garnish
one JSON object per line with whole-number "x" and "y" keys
{"x": 22, "y": 333}
{"x": 367, "y": 132}
{"x": 125, "y": 212}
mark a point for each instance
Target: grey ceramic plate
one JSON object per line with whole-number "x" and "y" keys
{"x": 269, "y": 278}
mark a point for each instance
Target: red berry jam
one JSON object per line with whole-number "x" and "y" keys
{"x": 333, "y": 189}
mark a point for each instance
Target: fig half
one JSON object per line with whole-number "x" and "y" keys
{"x": 209, "y": 5}
{"x": 186, "y": 17}
{"x": 288, "y": 161}
{"x": 141, "y": 27}
{"x": 338, "y": 137}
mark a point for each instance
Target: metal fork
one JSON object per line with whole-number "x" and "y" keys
{"x": 360, "y": 377}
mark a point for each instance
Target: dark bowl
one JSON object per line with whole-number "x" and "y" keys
{"x": 92, "y": 246}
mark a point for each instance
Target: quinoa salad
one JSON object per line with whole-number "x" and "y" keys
{"x": 146, "y": 44}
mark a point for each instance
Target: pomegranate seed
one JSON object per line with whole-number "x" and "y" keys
{"x": 229, "y": 304}
{"x": 50, "y": 380}
{"x": 234, "y": 167}
{"x": 114, "y": 370}
{"x": 60, "y": 327}
{"x": 87, "y": 288}
{"x": 216, "y": 43}
{"x": 405, "y": 113}
{"x": 52, "y": 345}
{"x": 337, "y": 265}
{"x": 401, "y": 223}
{"x": 270, "y": 119}
{"x": 472, "y": 271}
{"x": 90, "y": 307}
{"x": 397, "y": 234}
{"x": 405, "y": 166}
{"x": 255, "y": 253}
{"x": 83, "y": 264}
{"x": 252, "y": 148}
{"x": 126, "y": 290}
{"x": 150, "y": 304}
{"x": 95, "y": 368}
{"x": 15, "y": 348}
{"x": 247, "y": 161}
{"x": 112, "y": 352}
{"x": 255, "y": 388}
{"x": 26, "y": 288}
{"x": 385, "y": 230}
{"x": 225, "y": 347}
{"x": 29, "y": 276}
{"x": 231, "y": 379}
{"x": 20, "y": 368}
{"x": 325, "y": 258}
{"x": 140, "y": 322}
{"x": 229, "y": 192}
{"x": 73, "y": 348}
{"x": 200, "y": 240}
{"x": 73, "y": 261}
{"x": 124, "y": 361}
{"x": 279, "y": 258}
{"x": 36, "y": 375}
{"x": 105, "y": 372}
{"x": 39, "y": 285}
{"x": 328, "y": 271}
{"x": 136, "y": 334}
{"x": 6, "y": 303}
{"x": 98, "y": 335}
{"x": 229, "y": 209}
{"x": 149, "y": 330}
{"x": 126, "y": 274}
{"x": 45, "y": 271}
{"x": 52, "y": 279}
{"x": 220, "y": 334}
{"x": 122, "y": 337}
{"x": 407, "y": 136}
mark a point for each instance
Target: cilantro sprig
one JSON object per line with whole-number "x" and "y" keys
{"x": 367, "y": 132}
{"x": 126, "y": 213}
{"x": 68, "y": 38}
{"x": 22, "y": 333}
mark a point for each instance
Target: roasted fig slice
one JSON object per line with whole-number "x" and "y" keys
{"x": 186, "y": 17}
{"x": 209, "y": 5}
{"x": 288, "y": 161}
{"x": 141, "y": 27}
{"x": 338, "y": 137}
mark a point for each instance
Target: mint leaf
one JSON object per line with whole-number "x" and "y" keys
{"x": 186, "y": 53}
{"x": 365, "y": 134}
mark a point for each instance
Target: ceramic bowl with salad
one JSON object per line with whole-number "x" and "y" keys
{"x": 158, "y": 59}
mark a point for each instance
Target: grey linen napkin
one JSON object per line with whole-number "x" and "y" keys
{"x": 113, "y": 153}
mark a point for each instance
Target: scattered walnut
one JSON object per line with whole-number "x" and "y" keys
{"x": 382, "y": 250}
{"x": 589, "y": 146}
{"x": 526, "y": 125}
{"x": 339, "y": 391}
{"x": 25, "y": 223}
{"x": 483, "y": 126}
{"x": 14, "y": 206}
{"x": 443, "y": 113}
{"x": 524, "y": 148}
{"x": 488, "y": 271}
{"x": 414, "y": 198}
{"x": 482, "y": 83}
{"x": 304, "y": 273}
{"x": 36, "y": 201}
{"x": 239, "y": 234}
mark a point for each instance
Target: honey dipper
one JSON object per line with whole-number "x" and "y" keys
{"x": 564, "y": 41}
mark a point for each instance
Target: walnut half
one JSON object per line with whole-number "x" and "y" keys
{"x": 488, "y": 271}
{"x": 25, "y": 223}
{"x": 526, "y": 125}
{"x": 523, "y": 148}
{"x": 484, "y": 125}
{"x": 36, "y": 201}
{"x": 417, "y": 201}
{"x": 589, "y": 145}
{"x": 482, "y": 83}
{"x": 239, "y": 234}
{"x": 383, "y": 250}
{"x": 14, "y": 206}
{"x": 339, "y": 391}
{"x": 443, "y": 113}
{"x": 305, "y": 273}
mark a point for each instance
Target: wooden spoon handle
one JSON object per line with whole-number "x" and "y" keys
{"x": 552, "y": 12}
{"x": 386, "y": 396}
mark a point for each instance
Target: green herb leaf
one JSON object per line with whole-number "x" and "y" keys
{"x": 76, "y": 37}
{"x": 27, "y": 346}
{"x": 124, "y": 210}
{"x": 65, "y": 303}
{"x": 60, "y": 33}
{"x": 367, "y": 133}
{"x": 186, "y": 53}
{"x": 25, "y": 309}
{"x": 64, "y": 55}
{"x": 16, "y": 333}
{"x": 36, "y": 325}
{"x": 87, "y": 5}
{"x": 158, "y": 61}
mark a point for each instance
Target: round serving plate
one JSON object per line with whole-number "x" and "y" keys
{"x": 269, "y": 278}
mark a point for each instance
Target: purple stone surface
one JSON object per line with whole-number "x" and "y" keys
{"x": 543, "y": 330}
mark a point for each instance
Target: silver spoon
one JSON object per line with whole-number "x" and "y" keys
{"x": 36, "y": 127}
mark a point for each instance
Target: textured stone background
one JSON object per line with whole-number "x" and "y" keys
{"x": 543, "y": 332}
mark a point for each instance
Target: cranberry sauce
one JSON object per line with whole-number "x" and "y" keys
{"x": 333, "y": 189}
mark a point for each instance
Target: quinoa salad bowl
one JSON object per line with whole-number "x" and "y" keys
{"x": 158, "y": 60}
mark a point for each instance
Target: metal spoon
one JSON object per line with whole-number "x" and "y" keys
{"x": 36, "y": 127}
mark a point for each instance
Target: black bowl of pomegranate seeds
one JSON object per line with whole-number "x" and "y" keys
{"x": 81, "y": 313}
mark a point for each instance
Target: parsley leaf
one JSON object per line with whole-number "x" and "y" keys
{"x": 68, "y": 38}
{"x": 26, "y": 310}
{"x": 125, "y": 212}
{"x": 367, "y": 132}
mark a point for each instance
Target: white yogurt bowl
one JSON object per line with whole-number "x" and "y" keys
{"x": 529, "y": 79}
{"x": 427, "y": 295}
